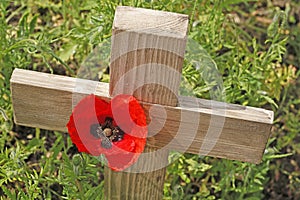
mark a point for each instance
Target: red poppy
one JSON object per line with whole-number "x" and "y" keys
{"x": 124, "y": 116}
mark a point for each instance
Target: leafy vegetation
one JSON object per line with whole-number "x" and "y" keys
{"x": 254, "y": 46}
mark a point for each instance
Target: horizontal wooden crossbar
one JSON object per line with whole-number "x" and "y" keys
{"x": 195, "y": 126}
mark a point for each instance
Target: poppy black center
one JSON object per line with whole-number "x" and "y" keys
{"x": 107, "y": 132}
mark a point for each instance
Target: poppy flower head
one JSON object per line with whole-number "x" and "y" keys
{"x": 116, "y": 129}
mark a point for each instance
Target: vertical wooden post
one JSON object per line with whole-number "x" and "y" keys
{"x": 146, "y": 60}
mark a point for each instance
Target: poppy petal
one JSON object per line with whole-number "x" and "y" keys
{"x": 89, "y": 110}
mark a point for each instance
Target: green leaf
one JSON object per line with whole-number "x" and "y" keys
{"x": 279, "y": 156}
{"x": 270, "y": 100}
{"x": 67, "y": 51}
{"x": 32, "y": 24}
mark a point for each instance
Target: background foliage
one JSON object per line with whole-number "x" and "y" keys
{"x": 255, "y": 46}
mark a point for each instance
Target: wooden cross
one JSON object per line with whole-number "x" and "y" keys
{"x": 146, "y": 60}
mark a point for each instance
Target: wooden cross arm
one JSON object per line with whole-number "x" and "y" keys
{"x": 195, "y": 126}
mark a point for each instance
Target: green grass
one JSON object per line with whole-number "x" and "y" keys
{"x": 254, "y": 46}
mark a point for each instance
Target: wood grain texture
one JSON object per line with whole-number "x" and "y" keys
{"x": 46, "y": 101}
{"x": 138, "y": 185}
{"x": 146, "y": 61}
{"x": 147, "y": 54}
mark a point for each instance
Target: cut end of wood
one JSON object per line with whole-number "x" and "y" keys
{"x": 148, "y": 21}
